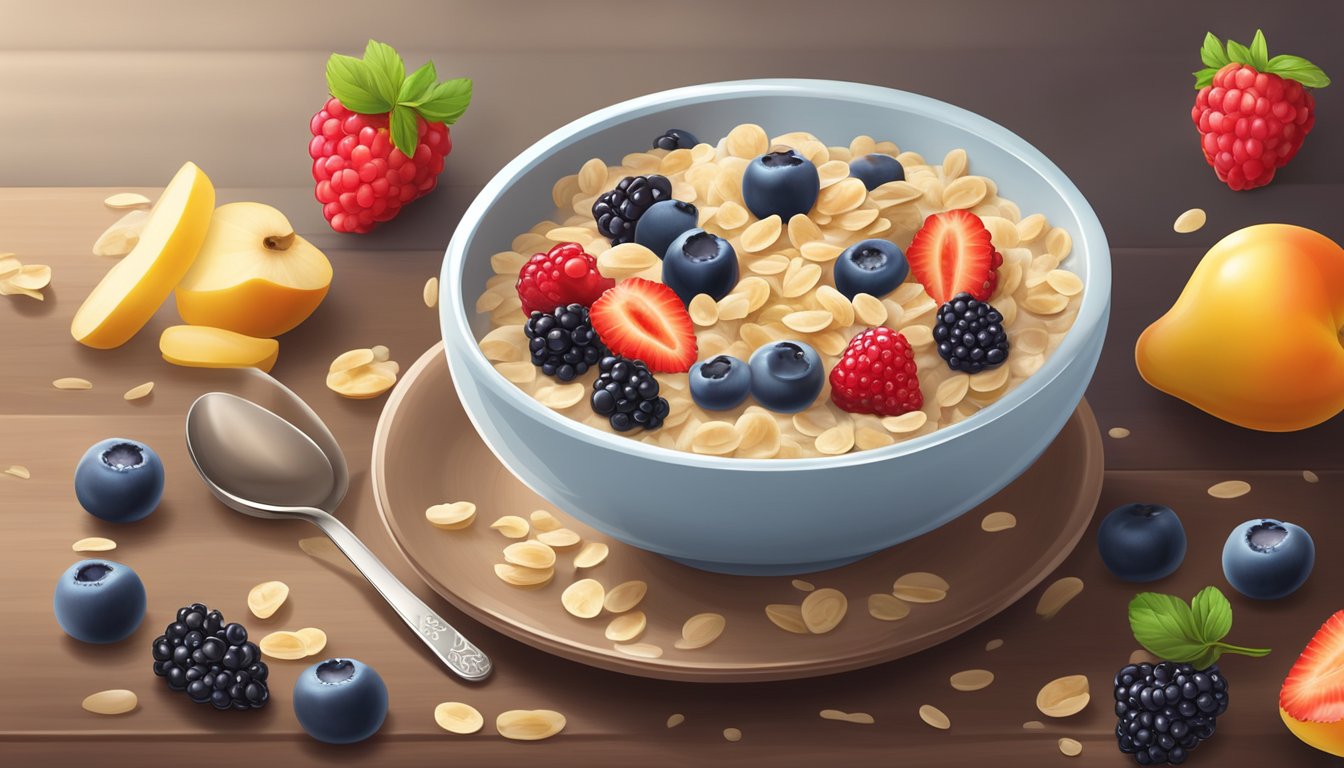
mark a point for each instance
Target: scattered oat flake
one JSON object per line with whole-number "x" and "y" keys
{"x": 732, "y": 734}
{"x": 805, "y": 586}
{"x": 94, "y": 544}
{"x": 456, "y": 717}
{"x": 1229, "y": 489}
{"x": 823, "y": 610}
{"x": 1119, "y": 433}
{"x": 1190, "y": 221}
{"x": 700, "y": 630}
{"x": 1310, "y": 477}
{"x": 641, "y": 650}
{"x": 266, "y": 598}
{"x": 675, "y": 719}
{"x": 1064, "y": 696}
{"x": 971, "y": 679}
{"x": 560, "y": 538}
{"x": 862, "y": 718}
{"x": 998, "y": 521}
{"x": 529, "y": 724}
{"x": 452, "y": 516}
{"x": 583, "y": 598}
{"x": 431, "y": 292}
{"x": 544, "y": 521}
{"x": 127, "y": 200}
{"x": 114, "y": 702}
{"x": 787, "y": 617}
{"x": 624, "y": 596}
{"x": 920, "y": 587}
{"x": 592, "y": 554}
{"x": 137, "y": 392}
{"x": 283, "y": 645}
{"x": 626, "y": 627}
{"x": 994, "y": 645}
{"x": 19, "y": 471}
{"x": 885, "y": 607}
{"x": 314, "y": 639}
{"x": 72, "y": 382}
{"x": 935, "y": 717}
{"x": 1070, "y": 747}
{"x": 518, "y": 576}
{"x": 1058, "y": 595}
{"x": 1033, "y": 725}
{"x": 511, "y": 526}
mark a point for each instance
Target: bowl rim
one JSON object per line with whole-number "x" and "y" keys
{"x": 455, "y": 323}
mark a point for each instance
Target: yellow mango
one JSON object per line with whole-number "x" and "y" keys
{"x": 199, "y": 346}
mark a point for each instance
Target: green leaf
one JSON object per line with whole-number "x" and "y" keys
{"x": 350, "y": 81}
{"x": 1238, "y": 53}
{"x": 1212, "y": 615}
{"x": 1299, "y": 69}
{"x": 446, "y": 102}
{"x": 418, "y": 84}
{"x": 1204, "y": 77}
{"x": 387, "y": 68}
{"x": 1259, "y": 51}
{"x": 1165, "y": 625}
{"x": 1212, "y": 54}
{"x": 404, "y": 132}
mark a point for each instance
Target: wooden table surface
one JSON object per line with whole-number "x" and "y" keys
{"x": 118, "y": 99}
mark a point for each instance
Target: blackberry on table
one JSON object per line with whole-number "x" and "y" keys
{"x": 562, "y": 342}
{"x": 970, "y": 334}
{"x": 627, "y": 394}
{"x": 617, "y": 211}
{"x": 1165, "y": 710}
{"x": 211, "y": 661}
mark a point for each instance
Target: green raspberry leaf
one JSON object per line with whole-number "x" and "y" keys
{"x": 350, "y": 81}
{"x": 418, "y": 84}
{"x": 1259, "y": 51}
{"x": 446, "y": 102}
{"x": 1212, "y": 54}
{"x": 405, "y": 134}
{"x": 1204, "y": 77}
{"x": 1165, "y": 625}
{"x": 1299, "y": 69}
{"x": 387, "y": 67}
{"x": 1239, "y": 53}
{"x": 1212, "y": 614}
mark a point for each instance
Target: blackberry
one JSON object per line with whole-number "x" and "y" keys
{"x": 627, "y": 394}
{"x": 562, "y": 342}
{"x": 211, "y": 660}
{"x": 617, "y": 211}
{"x": 675, "y": 138}
{"x": 970, "y": 334}
{"x": 1165, "y": 710}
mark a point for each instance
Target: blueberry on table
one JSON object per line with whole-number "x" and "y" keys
{"x": 1142, "y": 542}
{"x": 675, "y": 138}
{"x": 876, "y": 169}
{"x": 720, "y": 383}
{"x": 119, "y": 480}
{"x": 663, "y": 223}
{"x": 874, "y": 267}
{"x": 340, "y": 701}
{"x": 1268, "y": 559}
{"x": 700, "y": 262}
{"x": 780, "y": 183}
{"x": 99, "y": 601}
{"x": 786, "y": 376}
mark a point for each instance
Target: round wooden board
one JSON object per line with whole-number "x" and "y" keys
{"x": 426, "y": 452}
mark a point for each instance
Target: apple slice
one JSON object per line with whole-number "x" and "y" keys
{"x": 198, "y": 346}
{"x": 134, "y": 288}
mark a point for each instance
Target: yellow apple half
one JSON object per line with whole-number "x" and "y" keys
{"x": 253, "y": 274}
{"x": 1327, "y": 737}
{"x": 135, "y": 287}
{"x": 197, "y": 346}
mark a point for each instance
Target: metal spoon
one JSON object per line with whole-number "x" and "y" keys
{"x": 262, "y": 465}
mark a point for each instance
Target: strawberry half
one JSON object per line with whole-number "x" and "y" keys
{"x": 644, "y": 320}
{"x": 1314, "y": 689}
{"x": 952, "y": 253}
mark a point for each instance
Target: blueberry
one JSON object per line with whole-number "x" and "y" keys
{"x": 99, "y": 601}
{"x": 786, "y": 376}
{"x": 875, "y": 170}
{"x": 1268, "y": 559}
{"x": 780, "y": 183}
{"x": 340, "y": 701}
{"x": 663, "y": 223}
{"x": 1142, "y": 542}
{"x": 720, "y": 383}
{"x": 874, "y": 267}
{"x": 119, "y": 480}
{"x": 700, "y": 262}
{"x": 675, "y": 138}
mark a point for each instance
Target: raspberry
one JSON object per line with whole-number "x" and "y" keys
{"x": 561, "y": 276}
{"x": 877, "y": 374}
{"x": 1252, "y": 112}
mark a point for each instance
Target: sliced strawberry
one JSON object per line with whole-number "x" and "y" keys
{"x": 952, "y": 253}
{"x": 644, "y": 320}
{"x": 1314, "y": 689}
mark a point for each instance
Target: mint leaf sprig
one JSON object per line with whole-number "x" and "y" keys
{"x": 378, "y": 84}
{"x": 1192, "y": 633}
{"x": 1216, "y": 56}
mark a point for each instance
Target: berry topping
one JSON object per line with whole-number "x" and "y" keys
{"x": 616, "y": 212}
{"x": 675, "y": 138}
{"x": 700, "y": 262}
{"x": 1165, "y": 710}
{"x": 951, "y": 254}
{"x": 663, "y": 223}
{"x": 720, "y": 383}
{"x": 780, "y": 183}
{"x": 643, "y": 320}
{"x": 380, "y": 140}
{"x": 562, "y": 342}
{"x": 877, "y": 374}
{"x": 786, "y": 376}
{"x": 211, "y": 660}
{"x": 970, "y": 335}
{"x": 1252, "y": 111}
{"x": 561, "y": 276}
{"x": 1267, "y": 559}
{"x": 874, "y": 267}
{"x": 627, "y": 394}
{"x": 875, "y": 170}
{"x": 1142, "y": 542}
{"x": 1314, "y": 689}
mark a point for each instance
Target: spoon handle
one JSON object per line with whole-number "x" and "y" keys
{"x": 447, "y": 643}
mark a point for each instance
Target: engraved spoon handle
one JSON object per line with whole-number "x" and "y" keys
{"x": 448, "y": 644}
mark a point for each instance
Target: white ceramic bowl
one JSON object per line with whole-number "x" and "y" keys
{"x": 769, "y": 516}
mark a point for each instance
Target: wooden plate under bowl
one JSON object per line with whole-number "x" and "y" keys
{"x": 426, "y": 452}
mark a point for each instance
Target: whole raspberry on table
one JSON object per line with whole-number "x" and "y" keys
{"x": 566, "y": 274}
{"x": 1253, "y": 112}
{"x": 877, "y": 374}
{"x": 380, "y": 140}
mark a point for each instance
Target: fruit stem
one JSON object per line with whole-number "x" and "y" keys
{"x": 278, "y": 242}
{"x": 1256, "y": 652}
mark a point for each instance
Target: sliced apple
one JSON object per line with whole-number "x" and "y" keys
{"x": 134, "y": 288}
{"x": 199, "y": 346}
{"x": 253, "y": 274}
